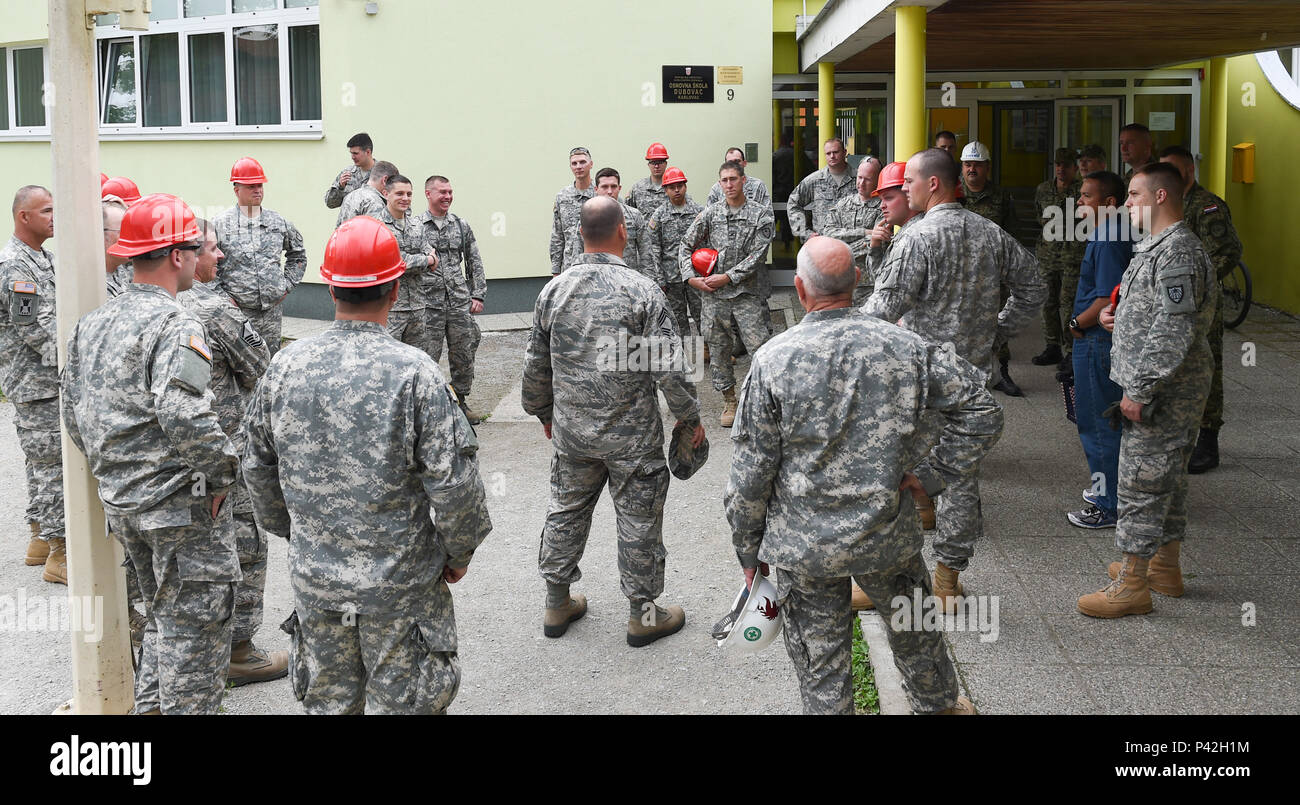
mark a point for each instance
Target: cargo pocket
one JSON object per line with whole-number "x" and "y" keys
{"x": 439, "y": 668}
{"x": 298, "y": 675}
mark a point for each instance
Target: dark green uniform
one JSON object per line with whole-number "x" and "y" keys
{"x": 1059, "y": 261}
{"x": 1208, "y": 217}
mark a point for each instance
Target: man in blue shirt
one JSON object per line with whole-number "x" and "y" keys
{"x": 1108, "y": 253}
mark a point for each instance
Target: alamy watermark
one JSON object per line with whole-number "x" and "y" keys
{"x": 82, "y": 614}
{"x": 974, "y": 613}
{"x": 654, "y": 353}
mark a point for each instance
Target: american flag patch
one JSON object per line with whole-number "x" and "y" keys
{"x": 22, "y": 286}
{"x": 200, "y": 346}
{"x": 1211, "y": 208}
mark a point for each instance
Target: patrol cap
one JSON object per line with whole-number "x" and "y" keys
{"x": 1064, "y": 156}
{"x": 684, "y": 460}
{"x": 975, "y": 151}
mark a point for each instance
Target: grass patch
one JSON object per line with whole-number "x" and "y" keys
{"x": 866, "y": 700}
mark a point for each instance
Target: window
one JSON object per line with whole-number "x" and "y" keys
{"x": 4, "y": 85}
{"x": 212, "y": 67}
{"x": 1282, "y": 69}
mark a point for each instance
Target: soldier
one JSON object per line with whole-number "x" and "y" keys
{"x": 824, "y": 509}
{"x": 136, "y": 402}
{"x": 1136, "y": 148}
{"x": 983, "y": 197}
{"x": 819, "y": 191}
{"x": 647, "y": 195}
{"x": 239, "y": 357}
{"x": 118, "y": 269}
{"x": 1058, "y": 257}
{"x": 667, "y": 227}
{"x": 362, "y": 150}
{"x": 942, "y": 278}
{"x": 564, "y": 215}
{"x": 368, "y": 199}
{"x": 853, "y": 219}
{"x": 359, "y": 457}
{"x": 29, "y": 362}
{"x": 740, "y": 231}
{"x": 1092, "y": 159}
{"x": 1162, "y": 360}
{"x": 638, "y": 255}
{"x": 253, "y": 238}
{"x": 406, "y": 319}
{"x": 895, "y": 212}
{"x": 603, "y": 419}
{"x": 946, "y": 141}
{"x": 1209, "y": 218}
{"x": 454, "y": 289}
{"x": 754, "y": 188}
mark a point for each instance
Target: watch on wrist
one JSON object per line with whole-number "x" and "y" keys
{"x": 1074, "y": 324}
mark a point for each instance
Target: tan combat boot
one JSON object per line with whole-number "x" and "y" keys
{"x": 963, "y": 707}
{"x": 860, "y": 601}
{"x": 38, "y": 550}
{"x": 56, "y": 564}
{"x": 946, "y": 587}
{"x": 555, "y": 622}
{"x": 642, "y": 630}
{"x": 473, "y": 416}
{"x": 249, "y": 664}
{"x": 1164, "y": 575}
{"x": 1128, "y": 594}
{"x": 729, "y": 408}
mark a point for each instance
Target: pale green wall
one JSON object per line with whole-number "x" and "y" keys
{"x": 1265, "y": 212}
{"x": 493, "y": 94}
{"x": 24, "y": 21}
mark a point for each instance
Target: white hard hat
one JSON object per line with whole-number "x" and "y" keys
{"x": 755, "y": 618}
{"x": 975, "y": 151}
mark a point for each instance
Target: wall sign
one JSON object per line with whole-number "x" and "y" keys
{"x": 688, "y": 84}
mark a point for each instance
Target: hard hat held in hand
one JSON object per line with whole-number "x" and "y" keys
{"x": 247, "y": 171}
{"x": 362, "y": 253}
{"x": 704, "y": 261}
{"x": 890, "y": 176}
{"x": 755, "y": 618}
{"x": 155, "y": 222}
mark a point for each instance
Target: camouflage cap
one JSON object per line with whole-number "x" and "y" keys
{"x": 684, "y": 460}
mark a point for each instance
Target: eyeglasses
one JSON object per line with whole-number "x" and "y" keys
{"x": 657, "y": 161}
{"x": 579, "y": 150}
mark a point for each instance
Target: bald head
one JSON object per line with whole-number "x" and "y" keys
{"x": 599, "y": 222}
{"x": 825, "y": 266}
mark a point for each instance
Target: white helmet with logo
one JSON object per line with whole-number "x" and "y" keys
{"x": 975, "y": 151}
{"x": 755, "y": 618}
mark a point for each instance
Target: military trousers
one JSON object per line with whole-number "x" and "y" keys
{"x": 187, "y": 569}
{"x": 1212, "y": 418}
{"x": 456, "y": 326}
{"x": 753, "y": 331}
{"x": 37, "y": 423}
{"x": 1052, "y": 308}
{"x": 268, "y": 324}
{"x": 638, "y": 486}
{"x": 343, "y": 663}
{"x": 819, "y": 637}
{"x": 1001, "y": 349}
{"x": 409, "y": 327}
{"x": 1152, "y": 486}
{"x": 679, "y": 302}
{"x": 960, "y": 524}
{"x": 1065, "y": 307}
{"x": 251, "y": 547}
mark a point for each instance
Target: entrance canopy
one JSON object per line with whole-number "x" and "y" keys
{"x": 859, "y": 35}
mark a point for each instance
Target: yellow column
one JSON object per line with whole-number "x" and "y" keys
{"x": 1214, "y": 175}
{"x": 909, "y": 81}
{"x": 825, "y": 108}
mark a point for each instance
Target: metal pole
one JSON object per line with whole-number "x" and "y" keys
{"x": 102, "y": 679}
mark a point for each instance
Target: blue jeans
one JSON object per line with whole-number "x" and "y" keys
{"x": 1094, "y": 392}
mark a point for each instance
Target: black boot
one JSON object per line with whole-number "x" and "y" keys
{"x": 1206, "y": 455}
{"x": 1006, "y": 385}
{"x": 1050, "y": 354}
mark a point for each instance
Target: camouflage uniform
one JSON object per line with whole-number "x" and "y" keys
{"x": 334, "y": 195}
{"x": 606, "y": 424}
{"x": 239, "y": 358}
{"x": 365, "y": 200}
{"x": 564, "y": 218}
{"x": 818, "y": 193}
{"x": 993, "y": 203}
{"x": 359, "y": 456}
{"x": 637, "y": 253}
{"x": 820, "y": 516}
{"x": 667, "y": 227}
{"x": 1208, "y": 217}
{"x": 875, "y": 261}
{"x": 406, "y": 319}
{"x": 851, "y": 220}
{"x": 741, "y": 236}
{"x": 30, "y": 376}
{"x": 942, "y": 278}
{"x": 251, "y": 272}
{"x": 1059, "y": 261}
{"x": 1161, "y": 357}
{"x": 754, "y": 189}
{"x": 136, "y": 402}
{"x": 448, "y": 292}
{"x": 118, "y": 279}
{"x": 647, "y": 196}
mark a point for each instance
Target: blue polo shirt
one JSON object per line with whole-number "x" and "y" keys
{"x": 1104, "y": 261}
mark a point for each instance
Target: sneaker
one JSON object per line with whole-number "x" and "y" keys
{"x": 1092, "y": 517}
{"x": 1090, "y": 497}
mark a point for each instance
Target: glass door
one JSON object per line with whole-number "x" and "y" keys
{"x": 1090, "y": 121}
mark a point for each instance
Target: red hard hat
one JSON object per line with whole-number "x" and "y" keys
{"x": 656, "y": 151}
{"x": 121, "y": 187}
{"x": 247, "y": 171}
{"x": 704, "y": 261}
{"x": 155, "y": 222}
{"x": 362, "y": 253}
{"x": 890, "y": 176}
{"x": 103, "y": 177}
{"x": 673, "y": 176}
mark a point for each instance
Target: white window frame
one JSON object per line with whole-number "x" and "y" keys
{"x": 1285, "y": 84}
{"x": 16, "y": 132}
